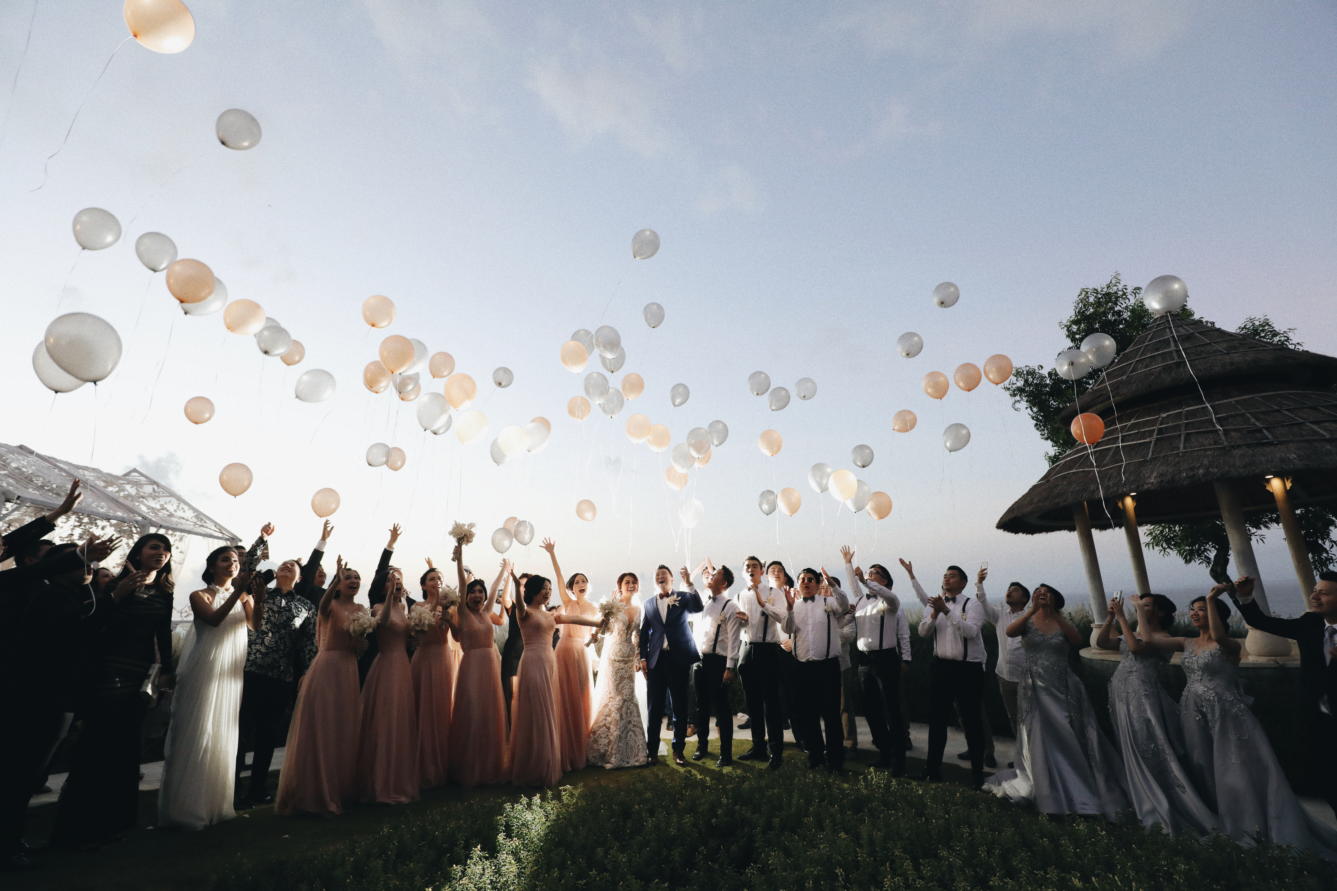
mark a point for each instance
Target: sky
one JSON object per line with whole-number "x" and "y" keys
{"x": 813, "y": 171}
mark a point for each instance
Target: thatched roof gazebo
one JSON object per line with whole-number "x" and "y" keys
{"x": 1200, "y": 422}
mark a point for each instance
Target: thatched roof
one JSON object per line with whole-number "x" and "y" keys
{"x": 1170, "y": 451}
{"x": 1153, "y": 366}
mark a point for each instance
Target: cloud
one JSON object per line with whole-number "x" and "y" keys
{"x": 1136, "y": 29}
{"x": 166, "y": 468}
{"x": 881, "y": 27}
{"x": 676, "y": 35}
{"x": 598, "y": 102}
{"x": 452, "y": 43}
{"x": 732, "y": 188}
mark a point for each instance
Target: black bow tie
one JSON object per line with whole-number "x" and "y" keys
{"x": 809, "y": 599}
{"x": 949, "y": 599}
{"x": 663, "y": 596}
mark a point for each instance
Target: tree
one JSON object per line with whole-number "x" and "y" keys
{"x": 1115, "y": 309}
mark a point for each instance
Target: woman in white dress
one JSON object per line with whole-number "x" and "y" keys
{"x": 617, "y": 736}
{"x": 201, "y": 747}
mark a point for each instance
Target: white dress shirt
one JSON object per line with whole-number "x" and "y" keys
{"x": 875, "y": 615}
{"x": 1011, "y": 657}
{"x": 761, "y": 628}
{"x": 956, "y": 634}
{"x": 1329, "y": 644}
{"x": 718, "y": 629}
{"x": 815, "y": 625}
{"x": 903, "y": 634}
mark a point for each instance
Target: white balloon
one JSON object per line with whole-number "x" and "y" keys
{"x": 50, "y": 374}
{"x": 584, "y": 338}
{"x": 273, "y": 340}
{"x": 420, "y": 356}
{"x": 909, "y": 344}
{"x": 524, "y": 532}
{"x": 503, "y": 377}
{"x": 315, "y": 385}
{"x": 699, "y": 441}
{"x": 211, "y": 304}
{"x": 432, "y": 410}
{"x": 842, "y": 485}
{"x": 767, "y": 502}
{"x": 513, "y": 440}
{"x": 270, "y": 322}
{"x": 654, "y": 314}
{"x": 644, "y": 244}
{"x": 238, "y": 129}
{"x": 719, "y": 432}
{"x": 607, "y": 341}
{"x": 613, "y": 364}
{"x": 406, "y": 383}
{"x": 155, "y": 250}
{"x": 83, "y": 345}
{"x": 946, "y": 294}
{"x": 859, "y": 500}
{"x": 443, "y": 425}
{"x": 778, "y": 399}
{"x": 955, "y": 437}
{"x": 806, "y": 388}
{"x": 502, "y": 540}
{"x": 861, "y": 455}
{"x": 95, "y": 229}
{"x": 611, "y": 403}
{"x": 758, "y": 382}
{"x": 377, "y": 452}
{"x": 691, "y": 513}
{"x": 536, "y": 436}
{"x": 679, "y": 394}
{"x": 1072, "y": 365}
{"x": 1164, "y": 294}
{"x": 499, "y": 456}
{"x": 1099, "y": 348}
{"x": 819, "y": 476}
{"x": 596, "y": 385}
{"x": 682, "y": 457}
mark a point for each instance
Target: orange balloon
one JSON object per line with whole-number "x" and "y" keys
{"x": 997, "y": 368}
{"x": 633, "y": 385}
{"x": 704, "y": 459}
{"x": 460, "y": 389}
{"x": 325, "y": 502}
{"x": 243, "y": 316}
{"x": 638, "y": 428}
{"x": 295, "y": 353}
{"x": 790, "y": 501}
{"x": 879, "y": 506}
{"x": 674, "y": 477}
{"x": 164, "y": 26}
{"x": 375, "y": 377}
{"x": 935, "y": 384}
{"x": 396, "y": 353}
{"x": 199, "y": 409}
{"x": 586, "y": 510}
{"x": 378, "y": 311}
{"x": 1087, "y": 428}
{"x": 235, "y": 479}
{"x": 659, "y": 438}
{"x": 770, "y": 442}
{"x": 903, "y": 421}
{"x": 190, "y": 281}
{"x": 441, "y": 365}
{"x": 574, "y": 356}
{"x": 967, "y": 376}
{"x": 396, "y": 458}
{"x": 578, "y": 407}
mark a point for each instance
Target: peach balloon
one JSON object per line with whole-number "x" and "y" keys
{"x": 842, "y": 484}
{"x": 578, "y": 407}
{"x": 638, "y": 428}
{"x": 243, "y": 316}
{"x": 396, "y": 353}
{"x": 190, "y": 281}
{"x": 790, "y": 501}
{"x": 633, "y": 385}
{"x": 660, "y": 437}
{"x": 904, "y": 421}
{"x": 199, "y": 409}
{"x": 675, "y": 477}
{"x": 395, "y": 459}
{"x": 235, "y": 479}
{"x": 378, "y": 311}
{"x": 164, "y": 26}
{"x": 703, "y": 460}
{"x": 770, "y": 442}
{"x": 586, "y": 510}
{"x": 1087, "y": 428}
{"x": 879, "y": 506}
{"x": 375, "y": 377}
{"x": 967, "y": 376}
{"x": 997, "y": 368}
{"x": 935, "y": 384}
{"x": 441, "y": 365}
{"x": 460, "y": 390}
{"x": 294, "y": 354}
{"x": 325, "y": 502}
{"x": 574, "y": 356}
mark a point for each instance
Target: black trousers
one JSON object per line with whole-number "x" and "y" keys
{"x": 100, "y": 798}
{"x": 712, "y": 697}
{"x": 760, "y": 672}
{"x": 25, "y": 749}
{"x": 1322, "y": 746}
{"x": 264, "y": 705}
{"x": 958, "y": 684}
{"x": 789, "y": 687}
{"x": 669, "y": 675}
{"x": 818, "y": 701}
{"x": 880, "y": 680}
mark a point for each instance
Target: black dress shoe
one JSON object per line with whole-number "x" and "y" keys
{"x": 746, "y": 725}
{"x": 774, "y": 764}
{"x": 989, "y": 761}
{"x": 700, "y": 753}
{"x": 964, "y": 756}
{"x": 753, "y": 755}
{"x": 679, "y": 760}
{"x": 724, "y": 762}
{"x": 651, "y": 760}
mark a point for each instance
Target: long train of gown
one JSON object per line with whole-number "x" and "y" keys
{"x": 575, "y": 684}
{"x": 1234, "y": 762}
{"x": 1066, "y": 764}
{"x": 201, "y": 748}
{"x": 319, "y": 773}
{"x": 478, "y": 754}
{"x": 387, "y": 762}
{"x": 434, "y": 691}
{"x": 1148, "y": 733}
{"x": 617, "y": 734}
{"x": 536, "y": 746}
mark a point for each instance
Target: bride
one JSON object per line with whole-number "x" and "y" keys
{"x": 201, "y": 747}
{"x": 617, "y": 736}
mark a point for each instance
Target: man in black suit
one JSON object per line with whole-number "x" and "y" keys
{"x": 1316, "y": 634}
{"x": 668, "y": 653}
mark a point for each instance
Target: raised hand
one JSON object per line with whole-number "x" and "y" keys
{"x": 686, "y": 576}
{"x": 72, "y": 498}
{"x": 1218, "y": 590}
{"x": 326, "y": 530}
{"x": 1116, "y": 605}
{"x": 429, "y": 563}
{"x": 130, "y": 583}
{"x": 457, "y": 552}
{"x": 847, "y": 552}
{"x": 99, "y": 549}
{"x": 1244, "y": 586}
{"x": 549, "y": 545}
{"x": 790, "y": 596}
{"x": 266, "y": 530}
{"x": 858, "y": 573}
{"x": 982, "y": 575}
{"x": 395, "y": 532}
{"x": 907, "y": 566}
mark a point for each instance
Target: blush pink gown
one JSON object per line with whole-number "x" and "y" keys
{"x": 478, "y": 721}
{"x": 433, "y": 690}
{"x": 387, "y": 764}
{"x": 575, "y": 685}
{"x": 319, "y": 773}
{"x": 536, "y": 747}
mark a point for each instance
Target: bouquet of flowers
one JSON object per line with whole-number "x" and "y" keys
{"x": 361, "y": 623}
{"x": 462, "y": 532}
{"x": 449, "y": 597}
{"x": 424, "y": 617}
{"x": 608, "y": 611}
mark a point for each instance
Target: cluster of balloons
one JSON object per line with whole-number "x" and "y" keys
{"x": 513, "y": 531}
{"x": 514, "y": 440}
{"x": 575, "y": 355}
{"x": 77, "y": 348}
{"x": 997, "y": 369}
{"x": 842, "y": 485}
{"x": 1095, "y": 352}
{"x": 759, "y": 384}
{"x": 381, "y": 455}
{"x": 695, "y": 451}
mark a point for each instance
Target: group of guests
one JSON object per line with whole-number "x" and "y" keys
{"x": 478, "y": 685}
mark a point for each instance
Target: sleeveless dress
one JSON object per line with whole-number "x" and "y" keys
{"x": 200, "y": 753}
{"x": 319, "y": 773}
{"x": 1234, "y": 763}
{"x": 575, "y": 684}
{"x": 1151, "y": 741}
{"x": 478, "y": 721}
{"x": 387, "y": 763}
{"x": 433, "y": 690}
{"x": 536, "y": 748}
{"x": 617, "y": 735}
{"x": 1067, "y": 766}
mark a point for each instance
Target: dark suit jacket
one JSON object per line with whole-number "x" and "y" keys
{"x": 1316, "y": 678}
{"x": 24, "y": 536}
{"x": 674, "y": 627}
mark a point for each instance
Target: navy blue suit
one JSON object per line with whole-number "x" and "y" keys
{"x": 668, "y": 669}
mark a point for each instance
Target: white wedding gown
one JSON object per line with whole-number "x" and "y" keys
{"x": 617, "y": 734}
{"x": 201, "y": 747}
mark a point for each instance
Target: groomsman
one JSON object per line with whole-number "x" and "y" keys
{"x": 812, "y": 615}
{"x": 879, "y": 659}
{"x": 717, "y": 640}
{"x": 760, "y": 665}
{"x": 956, "y": 675}
{"x": 667, "y": 656}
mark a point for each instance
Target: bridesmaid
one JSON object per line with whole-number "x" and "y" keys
{"x": 536, "y": 747}
{"x": 319, "y": 773}
{"x": 478, "y": 725}
{"x": 433, "y": 673}
{"x": 574, "y": 681}
{"x": 388, "y": 754}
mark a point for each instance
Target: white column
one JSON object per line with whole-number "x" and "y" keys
{"x": 1091, "y": 562}
{"x": 1258, "y": 643}
{"x": 1295, "y": 540}
{"x": 1134, "y": 538}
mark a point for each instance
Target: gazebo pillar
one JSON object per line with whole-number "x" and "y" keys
{"x": 1134, "y": 537}
{"x": 1091, "y": 562}
{"x": 1295, "y": 541}
{"x": 1258, "y": 643}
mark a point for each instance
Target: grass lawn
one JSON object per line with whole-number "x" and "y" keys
{"x": 667, "y": 827}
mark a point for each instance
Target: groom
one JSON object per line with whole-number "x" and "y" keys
{"x": 667, "y": 656}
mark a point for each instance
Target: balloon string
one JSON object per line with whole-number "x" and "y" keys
{"x": 153, "y": 391}
{"x": 65, "y": 285}
{"x": 320, "y": 424}
{"x": 1171, "y": 319}
{"x": 92, "y": 448}
{"x": 617, "y": 287}
{"x": 1095, "y": 468}
{"x": 49, "y": 158}
{"x": 143, "y": 301}
{"x": 1123, "y": 459}
{"x": 13, "y": 84}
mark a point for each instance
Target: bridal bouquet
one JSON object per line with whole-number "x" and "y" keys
{"x": 449, "y": 597}
{"x": 462, "y": 532}
{"x": 361, "y": 623}
{"x": 608, "y": 611}
{"x": 424, "y": 617}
